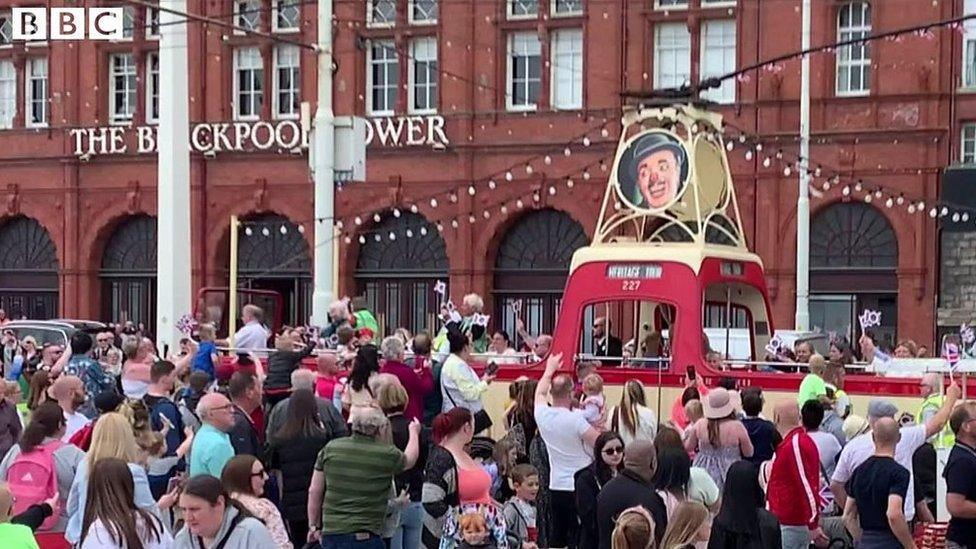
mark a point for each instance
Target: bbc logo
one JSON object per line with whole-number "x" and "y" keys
{"x": 33, "y": 24}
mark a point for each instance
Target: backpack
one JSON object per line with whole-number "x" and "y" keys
{"x": 33, "y": 478}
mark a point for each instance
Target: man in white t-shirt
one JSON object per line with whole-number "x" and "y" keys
{"x": 861, "y": 447}
{"x": 70, "y": 394}
{"x": 569, "y": 441}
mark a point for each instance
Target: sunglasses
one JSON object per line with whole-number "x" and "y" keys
{"x": 614, "y": 450}
{"x": 261, "y": 473}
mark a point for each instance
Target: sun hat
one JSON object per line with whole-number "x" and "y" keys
{"x": 854, "y": 425}
{"x": 718, "y": 404}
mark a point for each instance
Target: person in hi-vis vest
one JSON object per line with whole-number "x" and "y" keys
{"x": 931, "y": 389}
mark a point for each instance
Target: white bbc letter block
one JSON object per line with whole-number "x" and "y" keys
{"x": 106, "y": 23}
{"x": 67, "y": 23}
{"x": 30, "y": 24}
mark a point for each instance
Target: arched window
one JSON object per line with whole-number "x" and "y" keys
{"x": 128, "y": 272}
{"x": 853, "y": 267}
{"x": 532, "y": 265}
{"x": 854, "y": 61}
{"x": 28, "y": 270}
{"x": 398, "y": 275}
{"x": 272, "y": 254}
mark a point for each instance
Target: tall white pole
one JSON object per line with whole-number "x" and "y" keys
{"x": 803, "y": 196}
{"x": 173, "y": 288}
{"x": 323, "y": 166}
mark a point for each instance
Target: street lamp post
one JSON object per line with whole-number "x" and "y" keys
{"x": 173, "y": 283}
{"x": 803, "y": 195}
{"x": 322, "y": 162}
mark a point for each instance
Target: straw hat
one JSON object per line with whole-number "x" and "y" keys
{"x": 718, "y": 404}
{"x": 855, "y": 425}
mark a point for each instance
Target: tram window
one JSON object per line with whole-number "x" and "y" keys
{"x": 632, "y": 334}
{"x": 734, "y": 320}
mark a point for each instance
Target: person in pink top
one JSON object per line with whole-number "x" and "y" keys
{"x": 418, "y": 383}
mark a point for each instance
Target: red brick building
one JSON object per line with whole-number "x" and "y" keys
{"x": 461, "y": 94}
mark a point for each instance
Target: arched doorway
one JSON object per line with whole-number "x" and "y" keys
{"x": 532, "y": 265}
{"x": 853, "y": 267}
{"x": 272, "y": 254}
{"x": 28, "y": 270}
{"x": 398, "y": 276}
{"x": 128, "y": 272}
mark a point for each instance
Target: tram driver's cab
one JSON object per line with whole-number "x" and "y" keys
{"x": 668, "y": 276}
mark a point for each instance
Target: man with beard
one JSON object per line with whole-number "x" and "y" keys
{"x": 655, "y": 171}
{"x": 70, "y": 394}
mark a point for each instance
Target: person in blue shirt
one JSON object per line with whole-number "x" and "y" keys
{"x": 93, "y": 377}
{"x": 205, "y": 359}
{"x": 211, "y": 448}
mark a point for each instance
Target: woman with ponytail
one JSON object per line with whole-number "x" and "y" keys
{"x": 634, "y": 530}
{"x": 632, "y": 419}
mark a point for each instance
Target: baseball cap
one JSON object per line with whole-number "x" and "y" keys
{"x": 881, "y": 408}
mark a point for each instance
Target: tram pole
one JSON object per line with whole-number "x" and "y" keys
{"x": 232, "y": 289}
{"x": 173, "y": 282}
{"x": 322, "y": 162}
{"x": 803, "y": 191}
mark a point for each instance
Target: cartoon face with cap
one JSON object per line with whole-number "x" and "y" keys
{"x": 656, "y": 170}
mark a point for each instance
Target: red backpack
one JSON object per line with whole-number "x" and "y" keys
{"x": 33, "y": 479}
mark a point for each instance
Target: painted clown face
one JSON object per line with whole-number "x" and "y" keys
{"x": 658, "y": 178}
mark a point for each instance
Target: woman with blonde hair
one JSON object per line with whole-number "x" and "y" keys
{"x": 632, "y": 419}
{"x": 634, "y": 530}
{"x": 112, "y": 437}
{"x": 690, "y": 527}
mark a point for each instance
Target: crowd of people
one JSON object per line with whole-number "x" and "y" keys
{"x": 385, "y": 444}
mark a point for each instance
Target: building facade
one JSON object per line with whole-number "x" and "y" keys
{"x": 491, "y": 126}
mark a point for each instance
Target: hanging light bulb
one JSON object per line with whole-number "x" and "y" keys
{"x": 392, "y": 235}
{"x": 846, "y": 191}
{"x": 492, "y": 184}
{"x": 921, "y": 205}
{"x": 377, "y": 237}
{"x": 376, "y": 217}
{"x": 965, "y": 217}
{"x": 471, "y": 218}
{"x": 603, "y": 166}
{"x": 759, "y": 147}
{"x": 396, "y": 212}
{"x": 266, "y": 232}
{"x": 362, "y": 239}
{"x": 433, "y": 202}
{"x": 825, "y": 186}
{"x": 857, "y": 186}
{"x": 605, "y": 133}
{"x": 900, "y": 200}
{"x": 486, "y": 214}
{"x": 547, "y": 160}
{"x": 767, "y": 162}
{"x": 729, "y": 145}
{"x": 358, "y": 221}
{"x": 536, "y": 197}
{"x": 248, "y": 231}
{"x": 933, "y": 212}
{"x": 440, "y": 227}
{"x": 567, "y": 152}
{"x": 283, "y": 230}
{"x": 569, "y": 183}
{"x": 528, "y": 169}
{"x": 409, "y": 233}
{"x": 889, "y": 203}
{"x": 586, "y": 175}
{"x": 749, "y": 155}
{"x": 742, "y": 138}
{"x": 471, "y": 191}
{"x": 816, "y": 172}
{"x": 301, "y": 228}
{"x": 779, "y": 154}
{"x": 552, "y": 191}
{"x": 423, "y": 231}
{"x": 868, "y": 198}
{"x": 787, "y": 171}
{"x": 454, "y": 223}
{"x": 955, "y": 217}
{"x": 508, "y": 176}
{"x": 504, "y": 209}
{"x": 878, "y": 193}
{"x": 586, "y": 141}
{"x": 519, "y": 204}
{"x": 911, "y": 208}
{"x": 414, "y": 208}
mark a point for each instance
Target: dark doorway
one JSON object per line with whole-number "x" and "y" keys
{"x": 273, "y": 255}
{"x": 128, "y": 272}
{"x": 28, "y": 270}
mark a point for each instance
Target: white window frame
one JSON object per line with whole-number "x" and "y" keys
{"x": 864, "y": 65}
{"x": 432, "y": 87}
{"x": 510, "y": 11}
{"x": 429, "y": 21}
{"x": 8, "y": 15}
{"x": 259, "y": 81}
{"x": 240, "y": 15}
{"x": 968, "y": 66}
{"x": 11, "y": 80}
{"x": 130, "y": 74}
{"x": 575, "y": 70}
{"x": 152, "y": 87}
{"x": 152, "y": 13}
{"x": 554, "y": 14}
{"x": 659, "y": 48}
{"x": 706, "y": 4}
{"x": 275, "y": 10}
{"x": 296, "y": 81}
{"x": 967, "y": 142}
{"x": 379, "y": 24}
{"x": 370, "y": 108}
{"x": 658, "y": 5}
{"x": 726, "y": 93}
{"x": 29, "y": 80}
{"x": 510, "y": 76}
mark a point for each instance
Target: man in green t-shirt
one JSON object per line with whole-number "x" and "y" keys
{"x": 813, "y": 386}
{"x": 352, "y": 481}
